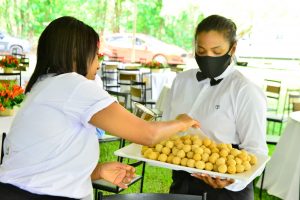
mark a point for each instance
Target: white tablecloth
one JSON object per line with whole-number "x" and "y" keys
{"x": 5, "y": 123}
{"x": 160, "y": 80}
{"x": 282, "y": 175}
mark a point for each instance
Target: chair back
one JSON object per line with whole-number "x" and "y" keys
{"x": 143, "y": 112}
{"x": 138, "y": 92}
{"x": 273, "y": 91}
{"x": 293, "y": 101}
{"x": 109, "y": 75}
{"x": 296, "y": 106}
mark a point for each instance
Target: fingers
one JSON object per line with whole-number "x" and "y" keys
{"x": 216, "y": 183}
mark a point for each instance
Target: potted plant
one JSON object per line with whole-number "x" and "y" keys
{"x": 11, "y": 95}
{"x": 153, "y": 65}
{"x": 9, "y": 63}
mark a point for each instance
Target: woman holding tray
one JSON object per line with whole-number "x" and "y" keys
{"x": 231, "y": 108}
{"x": 52, "y": 150}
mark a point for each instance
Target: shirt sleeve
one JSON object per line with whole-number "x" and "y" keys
{"x": 87, "y": 99}
{"x": 250, "y": 124}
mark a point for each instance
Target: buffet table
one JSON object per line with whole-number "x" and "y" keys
{"x": 282, "y": 175}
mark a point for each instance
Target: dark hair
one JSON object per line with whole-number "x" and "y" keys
{"x": 220, "y": 24}
{"x": 66, "y": 45}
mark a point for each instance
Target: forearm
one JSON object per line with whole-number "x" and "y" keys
{"x": 118, "y": 121}
{"x": 96, "y": 173}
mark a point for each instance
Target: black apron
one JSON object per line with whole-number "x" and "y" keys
{"x": 11, "y": 192}
{"x": 184, "y": 183}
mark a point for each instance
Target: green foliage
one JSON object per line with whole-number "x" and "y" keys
{"x": 28, "y": 18}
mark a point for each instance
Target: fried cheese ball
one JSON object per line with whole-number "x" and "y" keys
{"x": 199, "y": 150}
{"x": 197, "y": 157}
{"x": 209, "y": 166}
{"x": 190, "y": 163}
{"x": 231, "y": 169}
{"x": 183, "y": 161}
{"x": 190, "y": 154}
{"x": 253, "y": 159}
{"x": 220, "y": 161}
{"x": 176, "y": 160}
{"x": 186, "y": 148}
{"x": 206, "y": 154}
{"x": 170, "y": 144}
{"x": 144, "y": 148}
{"x": 206, "y": 142}
{"x": 158, "y": 147}
{"x": 222, "y": 168}
{"x": 194, "y": 137}
{"x": 153, "y": 155}
{"x": 180, "y": 154}
{"x": 187, "y": 141}
{"x": 162, "y": 157}
{"x": 170, "y": 158}
{"x": 166, "y": 150}
{"x": 197, "y": 142}
{"x": 200, "y": 164}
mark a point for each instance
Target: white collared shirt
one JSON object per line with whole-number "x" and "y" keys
{"x": 52, "y": 148}
{"x": 234, "y": 111}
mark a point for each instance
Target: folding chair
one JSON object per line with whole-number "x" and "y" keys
{"x": 275, "y": 114}
{"x": 109, "y": 75}
{"x": 139, "y": 93}
{"x": 296, "y": 106}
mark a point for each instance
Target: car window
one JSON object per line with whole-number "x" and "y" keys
{"x": 139, "y": 42}
{"x": 121, "y": 41}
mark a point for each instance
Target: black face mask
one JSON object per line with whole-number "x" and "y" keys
{"x": 212, "y": 67}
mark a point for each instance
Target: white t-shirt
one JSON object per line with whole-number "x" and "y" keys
{"x": 234, "y": 111}
{"x": 52, "y": 148}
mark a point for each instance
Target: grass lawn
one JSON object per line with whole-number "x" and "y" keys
{"x": 157, "y": 180}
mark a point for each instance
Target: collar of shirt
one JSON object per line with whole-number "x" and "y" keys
{"x": 228, "y": 71}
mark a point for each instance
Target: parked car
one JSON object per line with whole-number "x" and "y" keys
{"x": 147, "y": 48}
{"x": 9, "y": 44}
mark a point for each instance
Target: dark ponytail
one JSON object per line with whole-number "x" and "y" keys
{"x": 66, "y": 45}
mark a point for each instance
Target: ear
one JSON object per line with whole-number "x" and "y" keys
{"x": 233, "y": 48}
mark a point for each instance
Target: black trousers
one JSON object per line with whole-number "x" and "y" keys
{"x": 184, "y": 183}
{"x": 11, "y": 192}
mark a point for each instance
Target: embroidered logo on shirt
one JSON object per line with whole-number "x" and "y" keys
{"x": 217, "y": 107}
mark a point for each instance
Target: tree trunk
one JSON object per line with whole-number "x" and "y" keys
{"x": 118, "y": 12}
{"x": 7, "y": 15}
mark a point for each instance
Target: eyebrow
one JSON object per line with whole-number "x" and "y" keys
{"x": 210, "y": 48}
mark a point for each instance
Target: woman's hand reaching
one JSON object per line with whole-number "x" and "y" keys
{"x": 115, "y": 172}
{"x": 188, "y": 121}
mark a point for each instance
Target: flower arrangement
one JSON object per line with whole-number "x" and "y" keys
{"x": 153, "y": 65}
{"x": 100, "y": 57}
{"x": 11, "y": 95}
{"x": 9, "y": 62}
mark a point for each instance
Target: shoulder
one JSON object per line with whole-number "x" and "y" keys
{"x": 245, "y": 87}
{"x": 65, "y": 85}
{"x": 186, "y": 75}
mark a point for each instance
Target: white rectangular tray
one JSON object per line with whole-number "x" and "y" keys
{"x": 133, "y": 151}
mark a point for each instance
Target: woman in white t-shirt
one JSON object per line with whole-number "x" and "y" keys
{"x": 52, "y": 150}
{"x": 231, "y": 108}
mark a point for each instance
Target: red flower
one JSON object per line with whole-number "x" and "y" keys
{"x": 11, "y": 95}
{"x": 9, "y": 62}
